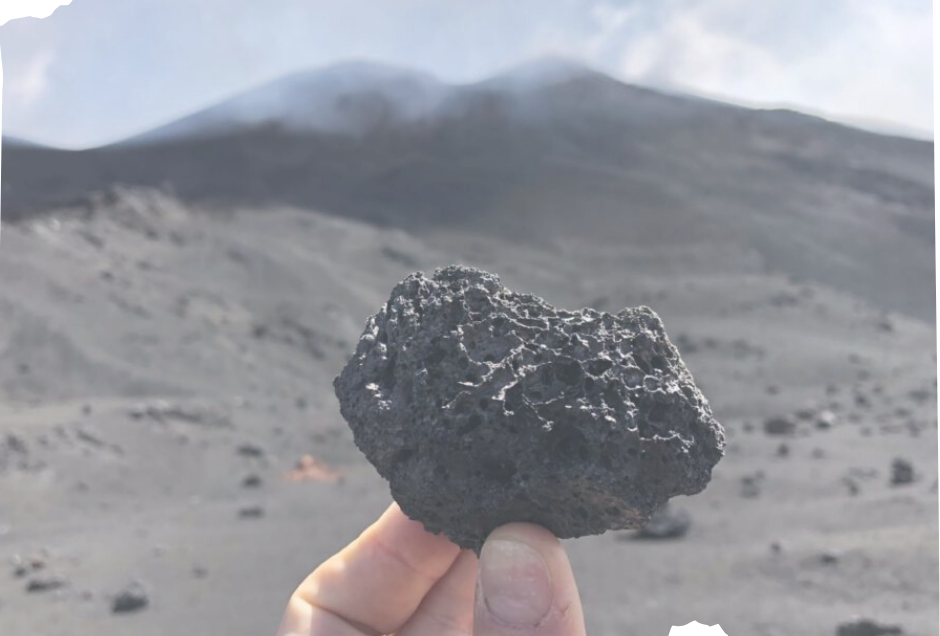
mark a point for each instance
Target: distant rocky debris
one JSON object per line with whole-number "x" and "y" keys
{"x": 779, "y": 426}
{"x": 163, "y": 411}
{"x": 784, "y": 299}
{"x": 827, "y": 558}
{"x": 738, "y": 348}
{"x": 399, "y": 257}
{"x": 22, "y": 567}
{"x": 46, "y": 584}
{"x": 666, "y": 523}
{"x": 131, "y": 599}
{"x": 14, "y": 453}
{"x": 851, "y": 485}
{"x": 825, "y": 419}
{"x": 251, "y": 481}
{"x": 751, "y": 485}
{"x": 902, "y": 472}
{"x": 290, "y": 327}
{"x": 885, "y": 325}
{"x": 921, "y": 396}
{"x": 805, "y": 413}
{"x": 867, "y": 627}
{"x": 250, "y": 450}
{"x": 251, "y": 512}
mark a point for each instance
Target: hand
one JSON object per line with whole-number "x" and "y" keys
{"x": 397, "y": 578}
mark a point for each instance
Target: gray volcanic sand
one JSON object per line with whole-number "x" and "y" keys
{"x": 153, "y": 356}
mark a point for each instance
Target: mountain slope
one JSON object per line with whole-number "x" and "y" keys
{"x": 346, "y": 98}
{"x": 543, "y": 154}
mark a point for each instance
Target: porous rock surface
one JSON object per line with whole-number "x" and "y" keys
{"x": 483, "y": 406}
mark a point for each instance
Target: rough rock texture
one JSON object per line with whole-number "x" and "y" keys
{"x": 483, "y": 406}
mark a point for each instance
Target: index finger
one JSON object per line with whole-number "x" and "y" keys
{"x": 374, "y": 584}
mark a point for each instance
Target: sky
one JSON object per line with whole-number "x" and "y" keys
{"x": 97, "y": 71}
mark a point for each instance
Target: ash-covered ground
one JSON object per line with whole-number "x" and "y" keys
{"x": 163, "y": 371}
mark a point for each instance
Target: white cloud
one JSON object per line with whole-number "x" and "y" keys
{"x": 25, "y": 84}
{"x": 869, "y": 61}
{"x": 610, "y": 21}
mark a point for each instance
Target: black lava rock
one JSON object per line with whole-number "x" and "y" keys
{"x": 132, "y": 599}
{"x": 483, "y": 406}
{"x": 46, "y": 584}
{"x": 779, "y": 426}
{"x": 902, "y": 472}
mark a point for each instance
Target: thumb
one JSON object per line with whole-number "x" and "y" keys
{"x": 526, "y": 586}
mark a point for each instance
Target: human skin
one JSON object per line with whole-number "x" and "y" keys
{"x": 397, "y": 578}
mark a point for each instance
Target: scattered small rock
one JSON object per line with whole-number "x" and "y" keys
{"x": 750, "y": 486}
{"x": 851, "y": 485}
{"x": 779, "y": 426}
{"x": 14, "y": 445}
{"x": 666, "y": 523}
{"x": 902, "y": 472}
{"x": 251, "y": 481}
{"x": 866, "y": 627}
{"x": 162, "y": 412}
{"x": 200, "y": 572}
{"x": 46, "y": 584}
{"x": 783, "y": 450}
{"x": 250, "y": 450}
{"x": 828, "y": 558}
{"x": 251, "y": 512}
{"x": 885, "y": 325}
{"x": 131, "y": 599}
{"x": 805, "y": 413}
{"x": 818, "y": 453}
{"x": 776, "y": 548}
{"x": 825, "y": 420}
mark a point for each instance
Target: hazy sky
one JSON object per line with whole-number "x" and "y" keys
{"x": 98, "y": 70}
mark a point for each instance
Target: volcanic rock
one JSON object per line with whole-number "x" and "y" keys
{"x": 779, "y": 426}
{"x": 483, "y": 406}
{"x": 902, "y": 472}
{"x": 46, "y": 584}
{"x": 666, "y": 523}
{"x": 866, "y": 627}
{"x": 131, "y": 599}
